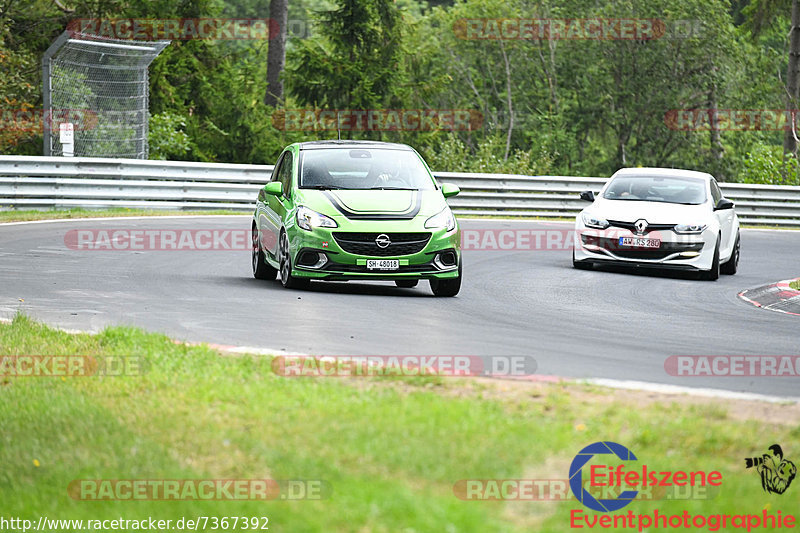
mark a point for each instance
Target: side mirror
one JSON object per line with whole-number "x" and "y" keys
{"x": 587, "y": 196}
{"x": 724, "y": 203}
{"x": 275, "y": 188}
{"x": 448, "y": 190}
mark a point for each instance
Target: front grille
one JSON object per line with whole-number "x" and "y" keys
{"x": 650, "y": 227}
{"x": 364, "y": 243}
{"x": 333, "y": 267}
{"x": 654, "y": 254}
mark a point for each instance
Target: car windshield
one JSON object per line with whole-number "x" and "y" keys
{"x": 367, "y": 168}
{"x": 666, "y": 189}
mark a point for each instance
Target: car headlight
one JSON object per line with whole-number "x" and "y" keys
{"x": 595, "y": 222}
{"x": 442, "y": 219}
{"x": 690, "y": 228}
{"x": 309, "y": 219}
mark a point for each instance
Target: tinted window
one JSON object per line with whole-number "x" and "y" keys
{"x": 277, "y": 169}
{"x": 716, "y": 194}
{"x": 370, "y": 168}
{"x": 667, "y": 189}
{"x": 285, "y": 173}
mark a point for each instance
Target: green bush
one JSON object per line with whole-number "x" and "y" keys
{"x": 766, "y": 164}
{"x": 166, "y": 136}
{"x": 488, "y": 156}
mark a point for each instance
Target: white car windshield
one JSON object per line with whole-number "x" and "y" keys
{"x": 363, "y": 169}
{"x": 666, "y": 189}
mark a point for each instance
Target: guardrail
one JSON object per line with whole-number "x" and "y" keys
{"x": 56, "y": 182}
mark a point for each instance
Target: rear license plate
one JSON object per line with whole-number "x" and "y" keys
{"x": 637, "y": 242}
{"x": 383, "y": 264}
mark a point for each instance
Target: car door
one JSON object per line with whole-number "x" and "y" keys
{"x": 276, "y": 207}
{"x": 725, "y": 218}
{"x": 271, "y": 208}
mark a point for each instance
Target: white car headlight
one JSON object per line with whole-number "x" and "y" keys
{"x": 594, "y": 222}
{"x": 690, "y": 228}
{"x": 442, "y": 219}
{"x": 309, "y": 219}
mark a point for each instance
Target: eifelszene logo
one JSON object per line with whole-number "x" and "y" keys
{"x": 576, "y": 479}
{"x": 776, "y": 472}
{"x": 611, "y": 479}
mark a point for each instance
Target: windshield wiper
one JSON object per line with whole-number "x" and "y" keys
{"x": 324, "y": 187}
{"x": 392, "y": 189}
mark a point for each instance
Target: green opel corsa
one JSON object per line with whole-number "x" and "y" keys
{"x": 356, "y": 210}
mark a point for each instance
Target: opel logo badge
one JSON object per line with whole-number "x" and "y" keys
{"x": 383, "y": 241}
{"x": 641, "y": 226}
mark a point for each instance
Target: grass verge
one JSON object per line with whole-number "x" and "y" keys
{"x": 390, "y": 449}
{"x": 56, "y": 214}
{"x": 795, "y": 285}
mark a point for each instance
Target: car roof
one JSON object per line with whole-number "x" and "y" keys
{"x": 662, "y": 172}
{"x": 345, "y": 144}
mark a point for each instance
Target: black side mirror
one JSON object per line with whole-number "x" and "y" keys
{"x": 587, "y": 196}
{"x": 724, "y": 203}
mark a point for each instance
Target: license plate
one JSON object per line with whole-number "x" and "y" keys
{"x": 638, "y": 242}
{"x": 383, "y": 264}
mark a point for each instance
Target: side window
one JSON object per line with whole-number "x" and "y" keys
{"x": 285, "y": 173}
{"x": 716, "y": 193}
{"x": 276, "y": 170}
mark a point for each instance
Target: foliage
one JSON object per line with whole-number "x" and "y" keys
{"x": 167, "y": 138}
{"x": 565, "y": 106}
{"x": 766, "y": 164}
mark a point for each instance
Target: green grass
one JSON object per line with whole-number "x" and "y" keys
{"x": 53, "y": 214}
{"x": 795, "y": 285}
{"x": 390, "y": 450}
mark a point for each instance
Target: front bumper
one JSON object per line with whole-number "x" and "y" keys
{"x": 677, "y": 251}
{"x": 317, "y": 254}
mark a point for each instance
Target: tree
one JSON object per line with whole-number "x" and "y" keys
{"x": 276, "y": 56}
{"x": 356, "y": 64}
{"x": 792, "y": 81}
{"x": 759, "y": 14}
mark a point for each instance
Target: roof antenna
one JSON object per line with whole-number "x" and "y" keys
{"x": 338, "y": 128}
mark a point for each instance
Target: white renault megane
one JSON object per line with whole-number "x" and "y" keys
{"x": 662, "y": 218}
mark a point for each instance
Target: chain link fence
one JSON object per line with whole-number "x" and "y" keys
{"x": 100, "y": 86}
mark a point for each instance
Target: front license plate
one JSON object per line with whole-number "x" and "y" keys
{"x": 383, "y": 264}
{"x": 637, "y": 242}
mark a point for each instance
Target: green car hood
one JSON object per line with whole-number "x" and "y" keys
{"x": 373, "y": 204}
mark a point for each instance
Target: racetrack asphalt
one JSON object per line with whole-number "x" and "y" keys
{"x": 609, "y": 323}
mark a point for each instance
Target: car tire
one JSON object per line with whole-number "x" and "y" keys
{"x": 730, "y": 266}
{"x": 406, "y": 283}
{"x": 713, "y": 273}
{"x": 285, "y": 257}
{"x": 446, "y": 287}
{"x": 580, "y": 265}
{"x": 261, "y": 269}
